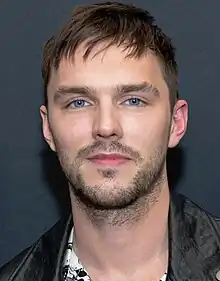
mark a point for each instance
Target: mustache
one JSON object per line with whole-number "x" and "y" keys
{"x": 109, "y": 147}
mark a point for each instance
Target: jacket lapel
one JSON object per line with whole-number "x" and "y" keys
{"x": 61, "y": 241}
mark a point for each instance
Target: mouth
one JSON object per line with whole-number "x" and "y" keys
{"x": 112, "y": 159}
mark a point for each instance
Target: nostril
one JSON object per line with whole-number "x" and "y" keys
{"x": 107, "y": 136}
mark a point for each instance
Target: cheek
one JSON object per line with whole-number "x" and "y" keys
{"x": 146, "y": 131}
{"x": 71, "y": 132}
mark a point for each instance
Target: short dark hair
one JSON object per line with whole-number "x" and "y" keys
{"x": 114, "y": 24}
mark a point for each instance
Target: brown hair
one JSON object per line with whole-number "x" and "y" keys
{"x": 115, "y": 24}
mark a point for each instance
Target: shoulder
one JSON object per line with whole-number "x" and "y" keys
{"x": 35, "y": 260}
{"x": 195, "y": 216}
{"x": 10, "y": 269}
{"x": 195, "y": 240}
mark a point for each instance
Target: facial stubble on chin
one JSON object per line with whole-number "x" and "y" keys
{"x": 119, "y": 205}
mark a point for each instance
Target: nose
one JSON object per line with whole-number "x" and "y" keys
{"x": 107, "y": 123}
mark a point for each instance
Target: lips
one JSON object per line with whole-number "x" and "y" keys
{"x": 109, "y": 159}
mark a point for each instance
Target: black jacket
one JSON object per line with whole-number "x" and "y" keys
{"x": 194, "y": 248}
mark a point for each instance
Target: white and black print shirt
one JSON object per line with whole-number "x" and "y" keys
{"x": 73, "y": 269}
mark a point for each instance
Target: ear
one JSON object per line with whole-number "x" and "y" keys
{"x": 46, "y": 127}
{"x": 179, "y": 123}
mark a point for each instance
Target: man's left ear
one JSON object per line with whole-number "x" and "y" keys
{"x": 179, "y": 123}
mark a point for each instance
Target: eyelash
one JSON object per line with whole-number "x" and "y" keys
{"x": 143, "y": 103}
{"x": 69, "y": 105}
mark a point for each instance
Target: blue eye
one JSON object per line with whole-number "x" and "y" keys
{"x": 134, "y": 102}
{"x": 79, "y": 103}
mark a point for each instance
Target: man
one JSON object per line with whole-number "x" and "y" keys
{"x": 111, "y": 112}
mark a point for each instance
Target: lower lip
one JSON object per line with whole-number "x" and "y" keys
{"x": 109, "y": 161}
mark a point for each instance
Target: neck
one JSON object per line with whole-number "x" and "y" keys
{"x": 142, "y": 245}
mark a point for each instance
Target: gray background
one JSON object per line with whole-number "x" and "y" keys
{"x": 29, "y": 183}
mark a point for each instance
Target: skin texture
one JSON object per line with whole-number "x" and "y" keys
{"x": 112, "y": 104}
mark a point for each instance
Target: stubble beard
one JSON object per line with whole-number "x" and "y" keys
{"x": 118, "y": 206}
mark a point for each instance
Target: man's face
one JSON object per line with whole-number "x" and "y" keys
{"x": 110, "y": 122}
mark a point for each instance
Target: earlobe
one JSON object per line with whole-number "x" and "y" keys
{"x": 179, "y": 123}
{"x": 46, "y": 127}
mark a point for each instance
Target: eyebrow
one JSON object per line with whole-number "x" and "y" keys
{"x": 144, "y": 87}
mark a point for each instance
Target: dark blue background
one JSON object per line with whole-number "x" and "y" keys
{"x": 28, "y": 184}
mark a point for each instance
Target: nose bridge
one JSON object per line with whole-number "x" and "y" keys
{"x": 107, "y": 122}
{"x": 106, "y": 115}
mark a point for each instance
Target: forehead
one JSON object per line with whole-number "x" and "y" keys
{"x": 107, "y": 69}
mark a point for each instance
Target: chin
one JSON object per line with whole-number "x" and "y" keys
{"x": 105, "y": 198}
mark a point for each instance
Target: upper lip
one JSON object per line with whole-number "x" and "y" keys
{"x": 108, "y": 155}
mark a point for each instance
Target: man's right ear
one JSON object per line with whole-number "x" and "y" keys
{"x": 46, "y": 127}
